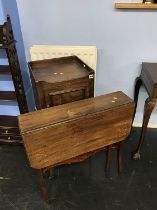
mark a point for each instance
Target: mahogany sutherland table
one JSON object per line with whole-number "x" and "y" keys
{"x": 74, "y": 131}
{"x": 148, "y": 78}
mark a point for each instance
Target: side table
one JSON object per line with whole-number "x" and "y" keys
{"x": 148, "y": 79}
{"x": 75, "y": 131}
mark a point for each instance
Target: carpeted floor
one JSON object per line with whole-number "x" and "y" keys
{"x": 83, "y": 186}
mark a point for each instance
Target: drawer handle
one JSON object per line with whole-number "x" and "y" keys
{"x": 9, "y": 138}
{"x": 6, "y": 131}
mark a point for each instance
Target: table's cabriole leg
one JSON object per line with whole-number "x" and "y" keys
{"x": 149, "y": 106}
{"x": 43, "y": 186}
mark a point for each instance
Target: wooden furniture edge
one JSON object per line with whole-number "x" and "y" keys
{"x": 135, "y": 6}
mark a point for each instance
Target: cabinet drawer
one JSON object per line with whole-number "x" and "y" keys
{"x": 64, "y": 97}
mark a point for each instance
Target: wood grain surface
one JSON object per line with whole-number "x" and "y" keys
{"x": 56, "y": 134}
{"x": 135, "y": 6}
{"x": 58, "y": 69}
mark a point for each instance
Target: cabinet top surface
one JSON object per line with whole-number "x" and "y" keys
{"x": 58, "y": 114}
{"x": 58, "y": 69}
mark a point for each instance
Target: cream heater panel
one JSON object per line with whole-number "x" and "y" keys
{"x": 88, "y": 54}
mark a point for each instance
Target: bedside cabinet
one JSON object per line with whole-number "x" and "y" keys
{"x": 61, "y": 80}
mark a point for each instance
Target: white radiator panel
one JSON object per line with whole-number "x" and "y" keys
{"x": 88, "y": 54}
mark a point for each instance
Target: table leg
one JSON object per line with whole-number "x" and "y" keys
{"x": 119, "y": 157}
{"x": 43, "y": 186}
{"x": 108, "y": 157}
{"x": 149, "y": 106}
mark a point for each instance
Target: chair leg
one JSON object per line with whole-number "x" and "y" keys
{"x": 119, "y": 157}
{"x": 149, "y": 106}
{"x": 43, "y": 186}
{"x": 108, "y": 157}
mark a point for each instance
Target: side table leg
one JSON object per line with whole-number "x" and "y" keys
{"x": 108, "y": 157}
{"x": 119, "y": 157}
{"x": 138, "y": 83}
{"x": 149, "y": 106}
{"x": 43, "y": 186}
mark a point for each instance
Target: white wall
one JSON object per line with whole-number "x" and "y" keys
{"x": 2, "y": 54}
{"x": 1, "y": 13}
{"x": 124, "y": 38}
